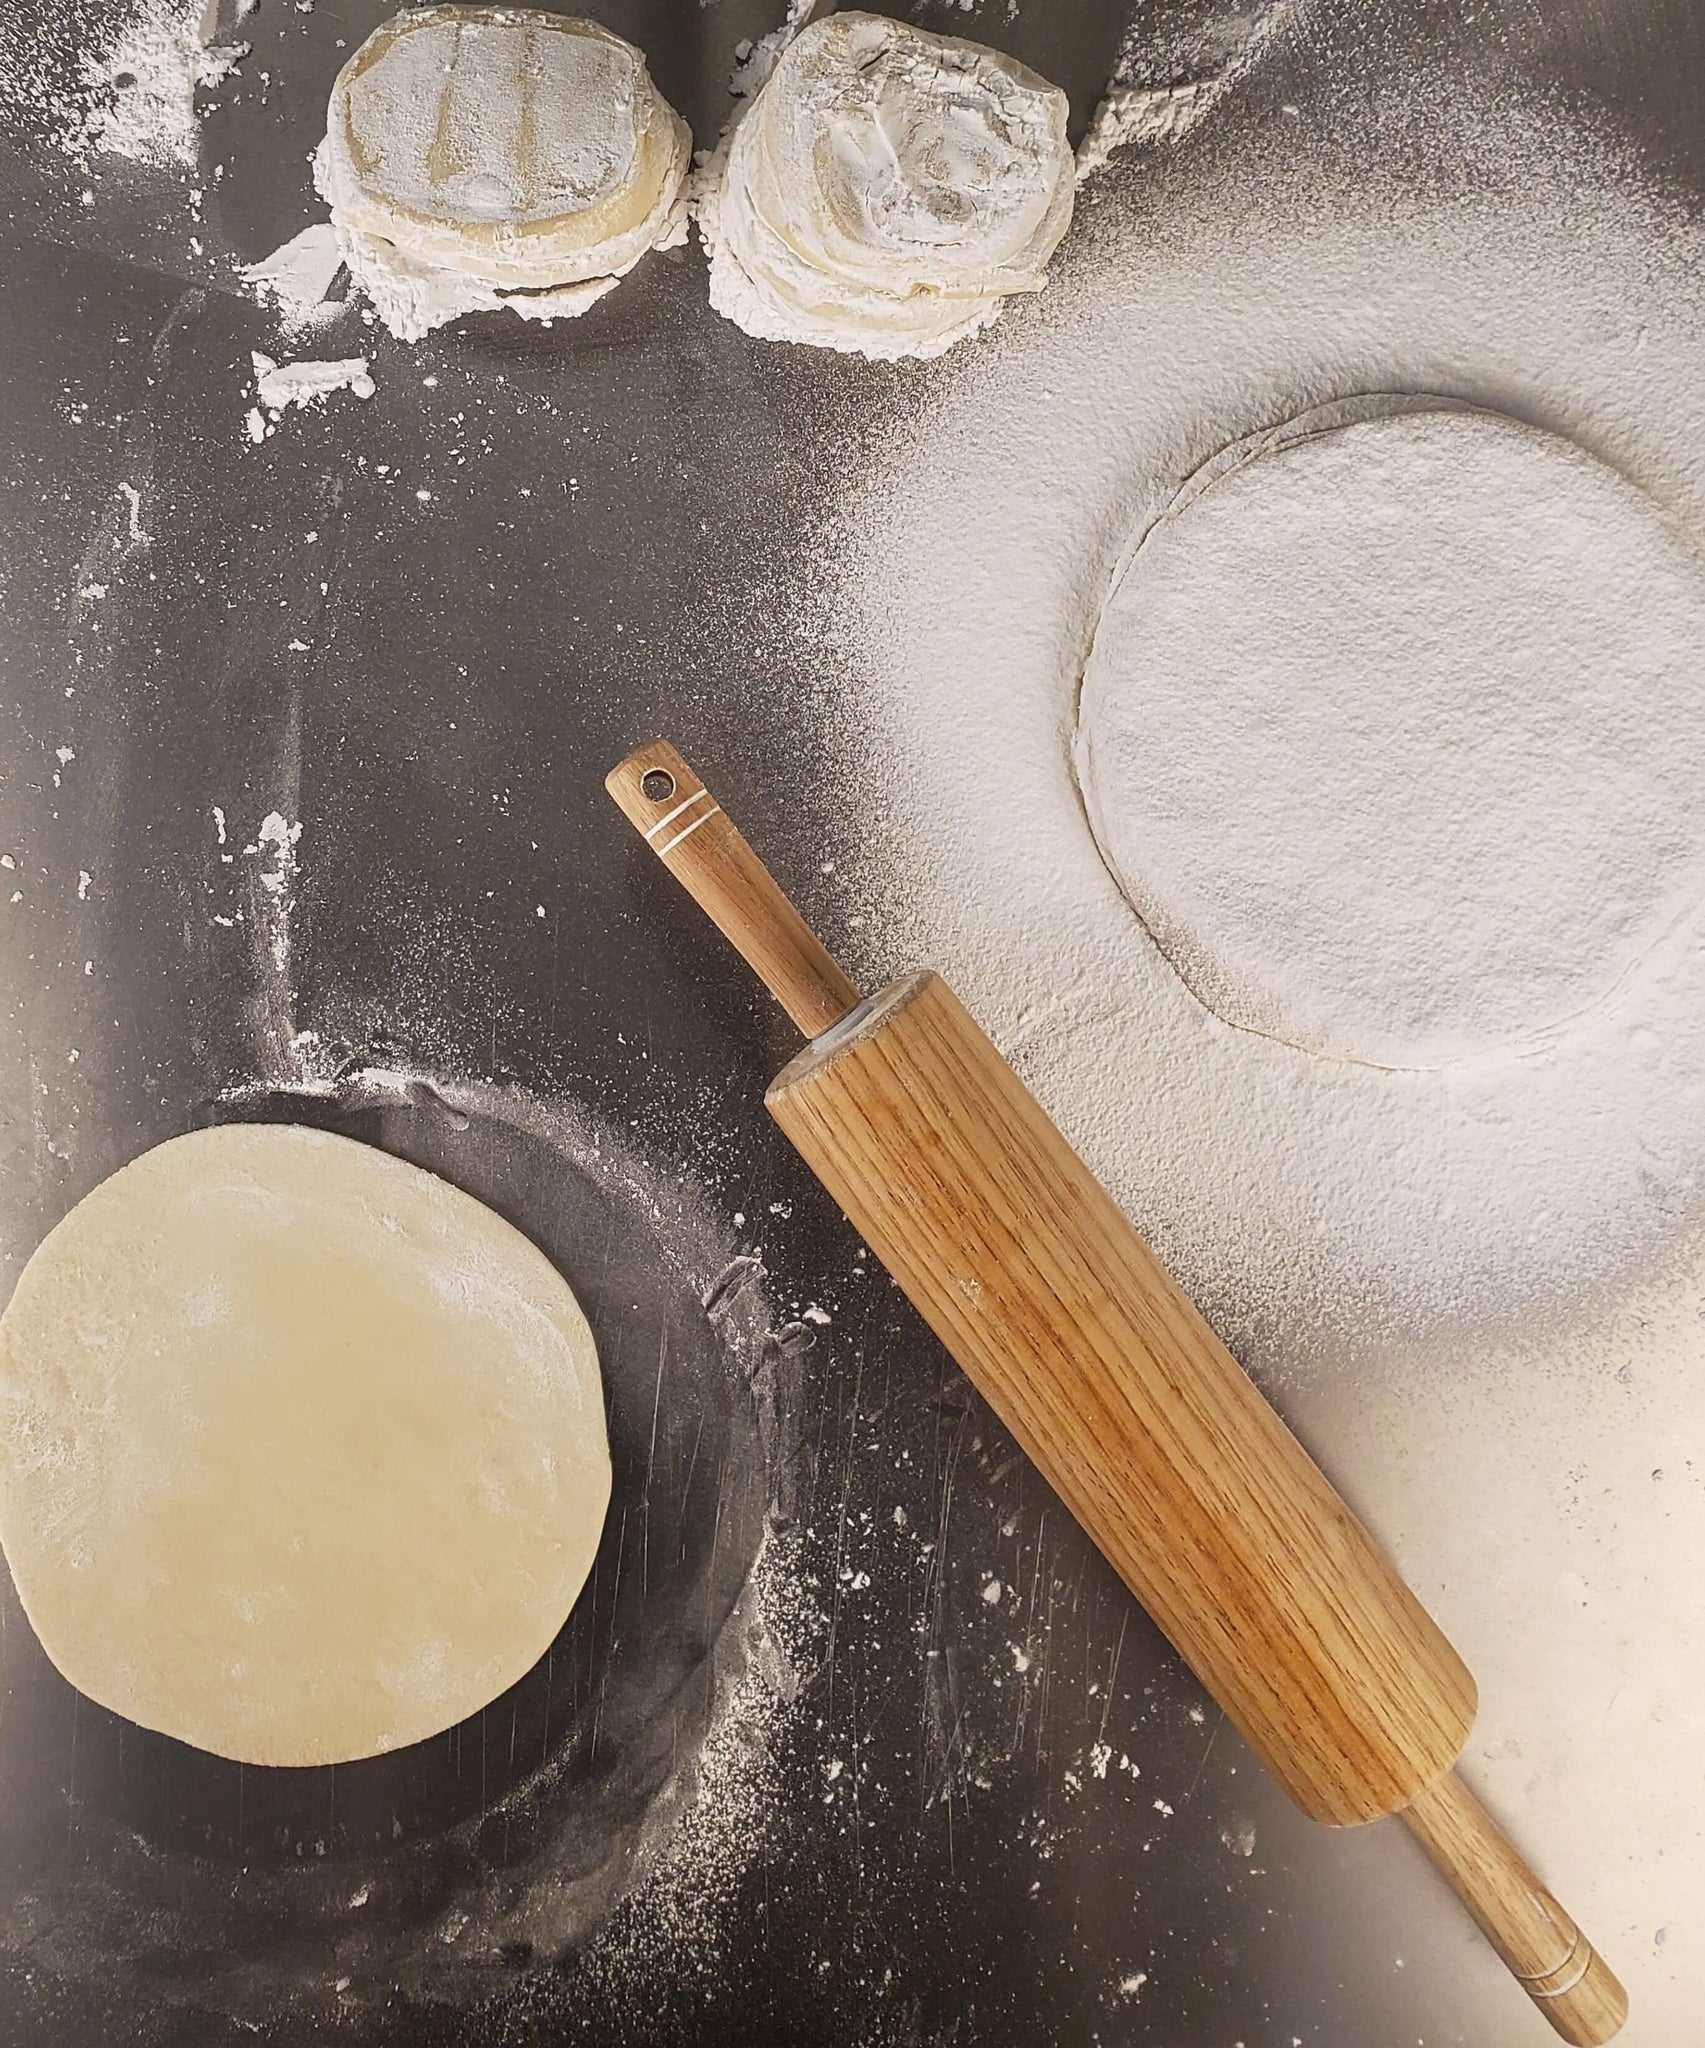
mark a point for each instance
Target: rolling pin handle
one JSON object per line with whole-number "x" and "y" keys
{"x": 1544, "y": 1950}
{"x": 700, "y": 845}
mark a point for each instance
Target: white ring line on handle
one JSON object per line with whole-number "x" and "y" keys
{"x": 1565, "y": 1931}
{"x": 1557, "y": 1990}
{"x": 685, "y": 804}
{"x": 687, "y": 831}
{"x": 1580, "y": 1954}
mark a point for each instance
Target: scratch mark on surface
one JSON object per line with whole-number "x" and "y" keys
{"x": 1202, "y": 1765}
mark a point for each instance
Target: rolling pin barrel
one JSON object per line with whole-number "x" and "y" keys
{"x": 1144, "y": 1424}
{"x": 1136, "y": 1414}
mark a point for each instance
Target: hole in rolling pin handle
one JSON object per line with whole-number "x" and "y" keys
{"x": 658, "y": 784}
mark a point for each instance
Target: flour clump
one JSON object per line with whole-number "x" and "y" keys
{"x": 886, "y": 191}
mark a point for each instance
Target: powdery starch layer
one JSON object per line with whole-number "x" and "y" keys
{"x": 1292, "y": 1193}
{"x": 1391, "y": 733}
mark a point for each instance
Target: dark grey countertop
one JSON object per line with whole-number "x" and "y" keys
{"x": 862, "y": 1802}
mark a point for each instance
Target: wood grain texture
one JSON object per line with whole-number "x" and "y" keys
{"x": 704, "y": 850}
{"x": 1139, "y": 1417}
{"x": 1128, "y": 1404}
{"x": 1555, "y": 1963}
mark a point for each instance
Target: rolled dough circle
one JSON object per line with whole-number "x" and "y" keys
{"x": 529, "y": 150}
{"x": 1391, "y": 732}
{"x": 887, "y": 189}
{"x": 302, "y": 1450}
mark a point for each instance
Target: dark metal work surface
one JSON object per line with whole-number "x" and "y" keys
{"x": 425, "y": 626}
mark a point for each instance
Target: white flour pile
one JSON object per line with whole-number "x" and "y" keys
{"x": 279, "y": 386}
{"x": 142, "y": 91}
{"x": 124, "y": 82}
{"x": 1292, "y": 1191}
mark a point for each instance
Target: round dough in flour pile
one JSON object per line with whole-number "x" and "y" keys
{"x": 886, "y": 190}
{"x": 1392, "y": 732}
{"x": 481, "y": 157}
{"x": 302, "y": 1450}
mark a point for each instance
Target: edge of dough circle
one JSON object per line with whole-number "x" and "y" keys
{"x": 302, "y": 1449}
{"x": 1390, "y": 732}
{"x": 528, "y": 149}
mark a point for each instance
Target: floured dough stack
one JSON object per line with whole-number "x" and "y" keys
{"x": 481, "y": 157}
{"x": 886, "y": 190}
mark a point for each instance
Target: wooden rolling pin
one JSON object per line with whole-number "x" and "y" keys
{"x": 1137, "y": 1415}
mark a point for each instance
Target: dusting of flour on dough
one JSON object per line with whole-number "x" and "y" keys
{"x": 1296, "y": 1196}
{"x": 885, "y": 191}
{"x": 571, "y": 168}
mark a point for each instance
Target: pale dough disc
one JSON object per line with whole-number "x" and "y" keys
{"x": 887, "y": 190}
{"x": 302, "y": 1450}
{"x": 528, "y": 151}
{"x": 1392, "y": 733}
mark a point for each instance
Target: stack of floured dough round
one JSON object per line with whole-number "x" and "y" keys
{"x": 481, "y": 157}
{"x": 886, "y": 190}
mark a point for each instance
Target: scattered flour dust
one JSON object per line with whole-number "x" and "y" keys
{"x": 754, "y": 60}
{"x": 730, "y": 1797}
{"x": 1163, "y": 85}
{"x": 1307, "y": 1201}
{"x": 274, "y": 854}
{"x": 142, "y": 91}
{"x": 261, "y": 907}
